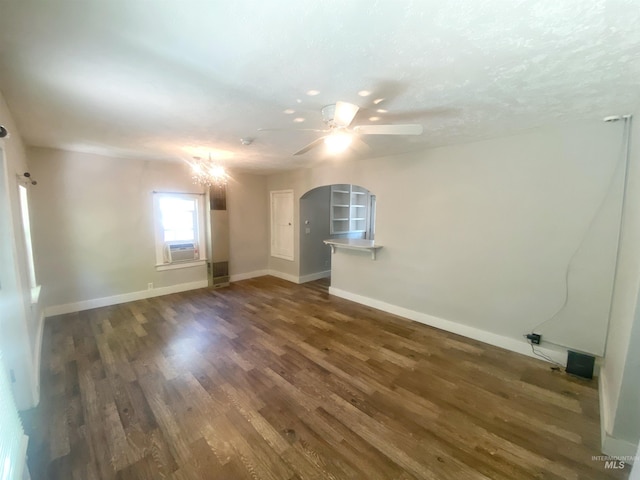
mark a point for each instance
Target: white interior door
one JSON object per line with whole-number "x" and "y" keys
{"x": 282, "y": 224}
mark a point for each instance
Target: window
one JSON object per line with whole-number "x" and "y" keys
{"x": 179, "y": 220}
{"x": 26, "y": 229}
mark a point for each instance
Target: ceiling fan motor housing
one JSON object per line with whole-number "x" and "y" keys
{"x": 328, "y": 115}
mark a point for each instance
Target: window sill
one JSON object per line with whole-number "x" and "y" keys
{"x": 35, "y": 294}
{"x": 175, "y": 266}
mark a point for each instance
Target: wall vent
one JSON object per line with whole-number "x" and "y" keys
{"x": 218, "y": 251}
{"x": 218, "y": 197}
{"x": 220, "y": 273}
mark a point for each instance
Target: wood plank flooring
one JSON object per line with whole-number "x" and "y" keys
{"x": 271, "y": 380}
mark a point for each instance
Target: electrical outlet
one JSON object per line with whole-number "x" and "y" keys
{"x": 149, "y": 286}
{"x": 534, "y": 338}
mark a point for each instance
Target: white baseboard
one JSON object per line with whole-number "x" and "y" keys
{"x": 245, "y": 276}
{"x": 508, "y": 343}
{"x": 123, "y": 298}
{"x": 314, "y": 276}
{"x": 299, "y": 279}
{"x": 284, "y": 276}
{"x": 156, "y": 292}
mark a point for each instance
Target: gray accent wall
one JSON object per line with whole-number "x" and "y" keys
{"x": 315, "y": 256}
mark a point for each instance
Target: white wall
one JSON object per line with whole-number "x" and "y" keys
{"x": 635, "y": 472}
{"x": 248, "y": 223}
{"x": 20, "y": 321}
{"x": 481, "y": 234}
{"x": 619, "y": 376}
{"x": 94, "y": 234}
{"x": 627, "y": 417}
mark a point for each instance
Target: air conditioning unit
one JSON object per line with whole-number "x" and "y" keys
{"x": 181, "y": 252}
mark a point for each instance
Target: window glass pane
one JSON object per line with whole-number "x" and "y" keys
{"x": 169, "y": 203}
{"x": 172, "y": 220}
{"x": 186, "y": 234}
{"x": 24, "y": 210}
{"x": 178, "y": 219}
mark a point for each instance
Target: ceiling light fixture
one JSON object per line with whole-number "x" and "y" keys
{"x": 364, "y": 93}
{"x": 378, "y": 100}
{"x": 208, "y": 172}
{"x": 289, "y": 111}
{"x": 337, "y": 142}
{"x": 313, "y": 93}
{"x": 298, "y": 119}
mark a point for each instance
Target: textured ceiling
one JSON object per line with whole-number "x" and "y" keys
{"x": 167, "y": 80}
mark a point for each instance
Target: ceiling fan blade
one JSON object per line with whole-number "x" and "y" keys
{"x": 292, "y": 130}
{"x": 344, "y": 113}
{"x": 313, "y": 144}
{"x": 359, "y": 146}
{"x": 414, "y": 129}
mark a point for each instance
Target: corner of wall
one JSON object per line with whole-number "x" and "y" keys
{"x": 37, "y": 359}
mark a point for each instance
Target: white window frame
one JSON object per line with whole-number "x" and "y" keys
{"x": 199, "y": 230}
{"x": 23, "y": 197}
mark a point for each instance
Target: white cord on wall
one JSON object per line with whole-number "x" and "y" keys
{"x": 626, "y": 158}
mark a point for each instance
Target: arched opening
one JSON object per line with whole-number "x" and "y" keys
{"x": 332, "y": 211}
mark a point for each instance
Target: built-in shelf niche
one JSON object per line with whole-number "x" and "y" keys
{"x": 349, "y": 209}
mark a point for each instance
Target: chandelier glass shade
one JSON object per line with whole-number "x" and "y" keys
{"x": 208, "y": 172}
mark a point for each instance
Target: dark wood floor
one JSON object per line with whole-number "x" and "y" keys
{"x": 267, "y": 379}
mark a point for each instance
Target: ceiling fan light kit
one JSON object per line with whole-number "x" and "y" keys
{"x": 338, "y": 118}
{"x": 338, "y": 142}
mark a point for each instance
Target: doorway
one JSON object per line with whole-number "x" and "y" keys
{"x": 332, "y": 211}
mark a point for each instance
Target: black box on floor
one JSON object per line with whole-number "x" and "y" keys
{"x": 580, "y": 364}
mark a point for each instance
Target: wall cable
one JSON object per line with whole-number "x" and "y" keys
{"x": 624, "y": 158}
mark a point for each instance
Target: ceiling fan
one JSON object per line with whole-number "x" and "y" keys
{"x": 340, "y": 133}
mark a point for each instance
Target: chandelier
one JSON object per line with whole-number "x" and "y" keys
{"x": 208, "y": 172}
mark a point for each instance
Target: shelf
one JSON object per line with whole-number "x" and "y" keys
{"x": 343, "y": 218}
{"x": 353, "y": 244}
